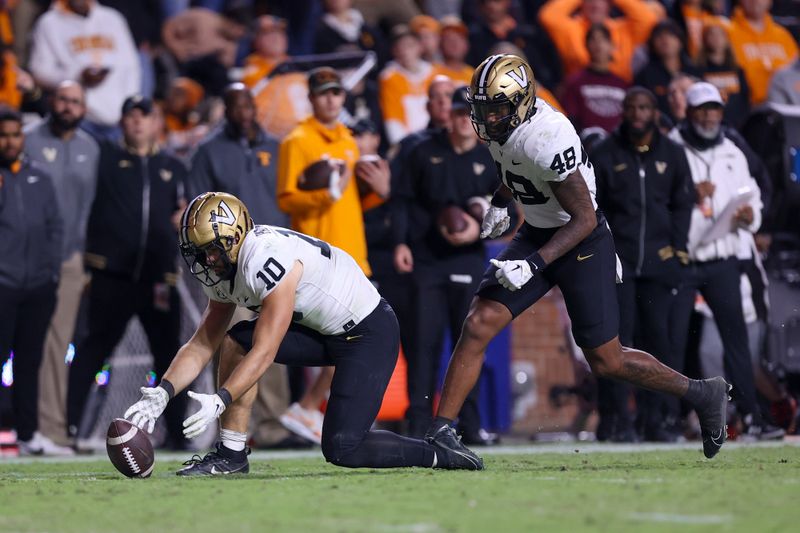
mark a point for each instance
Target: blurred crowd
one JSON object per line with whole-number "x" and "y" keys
{"x": 115, "y": 113}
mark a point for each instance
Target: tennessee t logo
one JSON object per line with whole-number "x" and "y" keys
{"x": 521, "y": 79}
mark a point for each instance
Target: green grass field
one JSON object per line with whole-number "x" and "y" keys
{"x": 754, "y": 489}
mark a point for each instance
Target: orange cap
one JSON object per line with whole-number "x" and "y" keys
{"x": 421, "y": 23}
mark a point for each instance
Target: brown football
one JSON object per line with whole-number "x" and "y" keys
{"x": 317, "y": 175}
{"x": 477, "y": 207}
{"x": 364, "y": 188}
{"x": 451, "y": 219}
{"x": 129, "y": 449}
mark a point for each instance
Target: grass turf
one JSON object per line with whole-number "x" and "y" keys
{"x": 745, "y": 489}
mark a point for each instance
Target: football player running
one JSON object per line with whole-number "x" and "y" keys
{"x": 316, "y": 308}
{"x": 564, "y": 241}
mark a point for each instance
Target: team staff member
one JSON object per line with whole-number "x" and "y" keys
{"x": 70, "y": 156}
{"x": 240, "y": 159}
{"x": 130, "y": 251}
{"x": 445, "y": 170}
{"x": 644, "y": 187}
{"x": 30, "y": 259}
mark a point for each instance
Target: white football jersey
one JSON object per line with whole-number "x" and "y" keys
{"x": 543, "y": 149}
{"x": 333, "y": 294}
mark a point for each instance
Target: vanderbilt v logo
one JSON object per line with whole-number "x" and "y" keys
{"x": 521, "y": 79}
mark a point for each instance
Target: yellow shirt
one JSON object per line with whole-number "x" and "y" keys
{"x": 315, "y": 213}
{"x": 760, "y": 53}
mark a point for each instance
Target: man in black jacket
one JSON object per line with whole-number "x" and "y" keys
{"x": 447, "y": 169}
{"x": 30, "y": 260}
{"x": 131, "y": 253}
{"x": 644, "y": 187}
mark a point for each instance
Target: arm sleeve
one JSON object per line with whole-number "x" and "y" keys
{"x": 291, "y": 163}
{"x": 681, "y": 201}
{"x": 55, "y": 228}
{"x": 556, "y": 17}
{"x": 44, "y": 64}
{"x": 639, "y": 19}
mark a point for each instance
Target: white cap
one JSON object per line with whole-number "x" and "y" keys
{"x": 701, "y": 93}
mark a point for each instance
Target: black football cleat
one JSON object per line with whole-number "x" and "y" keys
{"x": 455, "y": 455}
{"x": 220, "y": 462}
{"x": 713, "y": 415}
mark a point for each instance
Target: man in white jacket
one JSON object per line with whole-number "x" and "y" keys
{"x": 84, "y": 41}
{"x": 721, "y": 177}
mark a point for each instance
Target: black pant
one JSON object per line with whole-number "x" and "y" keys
{"x": 441, "y": 297}
{"x": 24, "y": 317}
{"x": 364, "y": 358}
{"x": 112, "y": 303}
{"x": 644, "y": 307}
{"x": 719, "y": 283}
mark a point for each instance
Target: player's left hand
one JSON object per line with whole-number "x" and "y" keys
{"x": 211, "y": 407}
{"x": 513, "y": 274}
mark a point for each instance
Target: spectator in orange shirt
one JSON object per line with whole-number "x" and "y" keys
{"x": 454, "y": 45}
{"x": 428, "y": 30}
{"x": 760, "y": 44}
{"x": 627, "y": 32}
{"x": 719, "y": 67}
{"x": 403, "y": 86}
{"x": 182, "y": 117}
{"x": 270, "y": 45}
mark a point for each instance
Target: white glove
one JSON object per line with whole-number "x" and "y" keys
{"x": 495, "y": 222}
{"x": 512, "y": 274}
{"x": 211, "y": 407}
{"x": 334, "y": 182}
{"x": 147, "y": 410}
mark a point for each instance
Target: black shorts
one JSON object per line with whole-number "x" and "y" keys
{"x": 586, "y": 276}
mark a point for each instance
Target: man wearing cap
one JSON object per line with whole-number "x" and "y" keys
{"x": 449, "y": 169}
{"x": 334, "y": 214}
{"x": 721, "y": 175}
{"x": 132, "y": 258}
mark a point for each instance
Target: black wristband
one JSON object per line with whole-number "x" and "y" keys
{"x": 169, "y": 387}
{"x": 500, "y": 202}
{"x": 225, "y": 396}
{"x": 536, "y": 261}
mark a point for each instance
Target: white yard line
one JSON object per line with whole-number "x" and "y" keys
{"x": 674, "y": 518}
{"x": 576, "y": 448}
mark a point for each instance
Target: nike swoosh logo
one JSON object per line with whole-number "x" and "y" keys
{"x": 718, "y": 440}
{"x": 515, "y": 162}
{"x": 214, "y": 471}
{"x": 353, "y": 337}
{"x": 584, "y": 257}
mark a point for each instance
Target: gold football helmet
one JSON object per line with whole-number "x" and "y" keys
{"x": 502, "y": 93}
{"x": 213, "y": 220}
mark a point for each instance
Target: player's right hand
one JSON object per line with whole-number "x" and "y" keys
{"x": 495, "y": 222}
{"x": 146, "y": 411}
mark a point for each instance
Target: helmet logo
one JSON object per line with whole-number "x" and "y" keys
{"x": 223, "y": 215}
{"x": 521, "y": 79}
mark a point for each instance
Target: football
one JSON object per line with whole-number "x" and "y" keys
{"x": 364, "y": 188}
{"x": 317, "y": 175}
{"x": 451, "y": 219}
{"x": 477, "y": 207}
{"x": 129, "y": 449}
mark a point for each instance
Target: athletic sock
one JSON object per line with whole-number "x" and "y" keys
{"x": 696, "y": 393}
{"x": 233, "y": 440}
